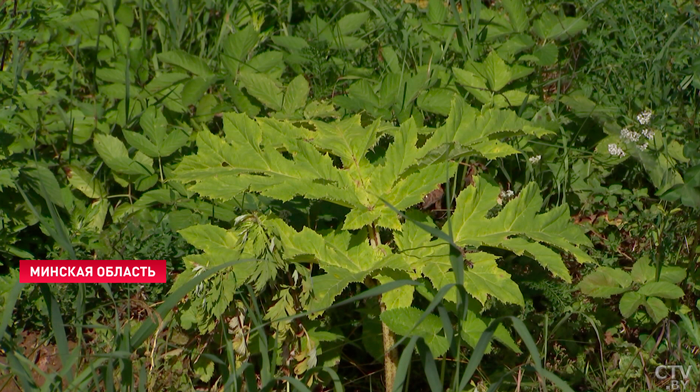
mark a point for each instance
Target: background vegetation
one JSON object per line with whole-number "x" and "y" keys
{"x": 352, "y": 195}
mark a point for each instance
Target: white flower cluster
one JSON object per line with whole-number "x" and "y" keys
{"x": 507, "y": 194}
{"x": 535, "y": 159}
{"x": 648, "y": 133}
{"x": 632, "y": 136}
{"x": 627, "y": 135}
{"x": 613, "y": 149}
{"x": 644, "y": 117}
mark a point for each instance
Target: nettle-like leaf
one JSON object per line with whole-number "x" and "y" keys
{"x": 606, "y": 282}
{"x": 630, "y": 302}
{"x": 485, "y": 81}
{"x": 656, "y": 309}
{"x": 156, "y": 141}
{"x": 394, "y": 95}
{"x": 552, "y": 27}
{"x": 85, "y": 182}
{"x": 186, "y": 61}
{"x": 237, "y": 47}
{"x": 340, "y": 36}
{"x": 289, "y": 102}
{"x": 137, "y": 170}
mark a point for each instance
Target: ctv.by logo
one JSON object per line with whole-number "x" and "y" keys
{"x": 665, "y": 372}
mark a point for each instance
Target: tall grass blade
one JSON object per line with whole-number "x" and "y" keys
{"x": 432, "y": 376}
{"x": 230, "y": 371}
{"x": 58, "y": 233}
{"x": 89, "y": 374}
{"x": 558, "y": 382}
{"x": 57, "y": 326}
{"x": 19, "y": 370}
{"x": 429, "y": 309}
{"x": 446, "y": 324}
{"x": 404, "y": 362}
{"x": 266, "y": 373}
{"x": 494, "y": 386}
{"x": 336, "y": 380}
{"x": 108, "y": 370}
{"x": 521, "y": 329}
{"x": 478, "y": 354}
{"x": 127, "y": 367}
{"x": 251, "y": 381}
{"x": 143, "y": 379}
{"x": 10, "y": 303}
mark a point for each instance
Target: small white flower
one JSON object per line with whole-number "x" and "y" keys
{"x": 198, "y": 290}
{"x": 507, "y": 194}
{"x": 632, "y": 136}
{"x": 644, "y": 117}
{"x": 648, "y": 133}
{"x": 643, "y": 146}
{"x": 535, "y": 159}
{"x": 613, "y": 149}
{"x": 504, "y": 196}
{"x": 198, "y": 269}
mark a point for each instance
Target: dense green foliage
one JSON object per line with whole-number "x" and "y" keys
{"x": 352, "y": 195}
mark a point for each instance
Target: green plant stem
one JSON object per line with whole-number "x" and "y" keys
{"x": 391, "y": 355}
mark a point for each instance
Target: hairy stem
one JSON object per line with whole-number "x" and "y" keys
{"x": 391, "y": 356}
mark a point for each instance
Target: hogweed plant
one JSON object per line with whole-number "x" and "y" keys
{"x": 382, "y": 238}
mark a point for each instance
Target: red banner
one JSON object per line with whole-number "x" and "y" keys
{"x": 92, "y": 271}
